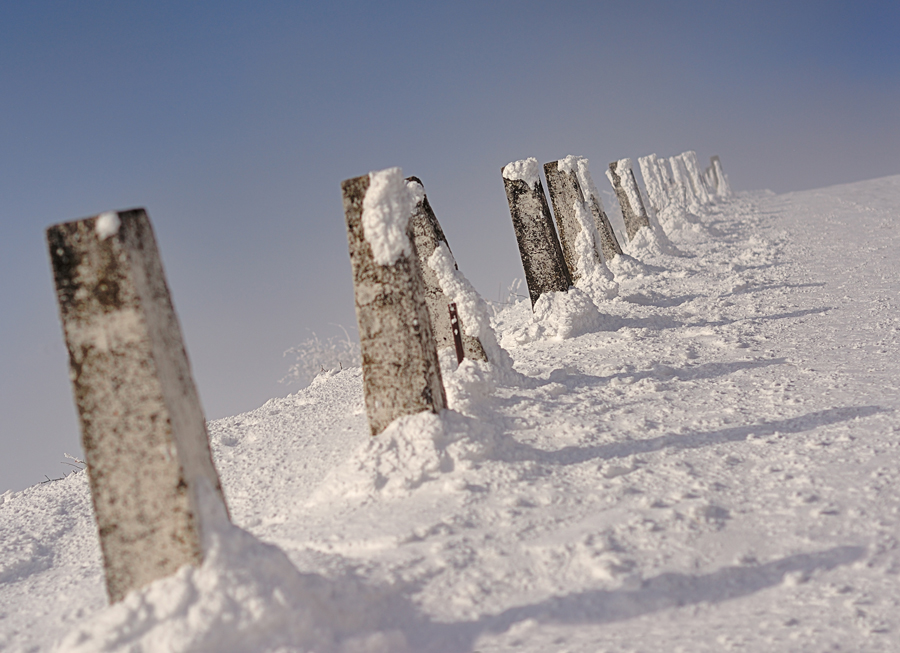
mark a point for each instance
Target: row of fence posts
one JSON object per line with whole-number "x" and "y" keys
{"x": 154, "y": 487}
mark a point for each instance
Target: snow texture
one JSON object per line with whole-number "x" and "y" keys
{"x": 527, "y": 170}
{"x": 711, "y": 466}
{"x": 387, "y": 207}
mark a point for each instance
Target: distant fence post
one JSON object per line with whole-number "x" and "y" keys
{"x": 401, "y": 375}
{"x": 722, "y": 187}
{"x": 633, "y": 212}
{"x": 654, "y": 181}
{"x": 427, "y": 236}
{"x": 696, "y": 177}
{"x": 153, "y": 483}
{"x": 542, "y": 257}
{"x": 681, "y": 183}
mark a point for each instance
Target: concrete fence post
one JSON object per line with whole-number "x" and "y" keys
{"x": 565, "y": 193}
{"x": 579, "y": 214}
{"x": 653, "y": 181}
{"x": 427, "y": 236}
{"x": 633, "y": 212}
{"x": 722, "y": 187}
{"x": 665, "y": 175}
{"x": 696, "y": 177}
{"x": 153, "y": 484}
{"x": 401, "y": 375}
{"x": 542, "y": 257}
{"x": 682, "y": 185}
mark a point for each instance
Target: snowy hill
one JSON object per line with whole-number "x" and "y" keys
{"x": 713, "y": 465}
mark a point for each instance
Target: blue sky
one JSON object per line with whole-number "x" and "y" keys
{"x": 234, "y": 124}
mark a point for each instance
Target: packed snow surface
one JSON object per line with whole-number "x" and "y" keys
{"x": 708, "y": 462}
{"x": 387, "y": 207}
{"x": 527, "y": 170}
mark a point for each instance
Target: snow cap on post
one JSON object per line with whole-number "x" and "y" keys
{"x": 633, "y": 213}
{"x": 155, "y": 491}
{"x": 428, "y": 235}
{"x": 401, "y": 375}
{"x": 542, "y": 257}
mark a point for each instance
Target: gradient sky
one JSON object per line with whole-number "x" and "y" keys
{"x": 233, "y": 124}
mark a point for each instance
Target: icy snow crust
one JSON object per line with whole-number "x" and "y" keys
{"x": 711, "y": 465}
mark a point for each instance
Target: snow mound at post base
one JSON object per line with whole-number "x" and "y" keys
{"x": 556, "y": 316}
{"x": 412, "y": 451}
{"x": 246, "y": 596}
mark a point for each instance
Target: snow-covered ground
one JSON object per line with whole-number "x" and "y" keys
{"x": 712, "y": 466}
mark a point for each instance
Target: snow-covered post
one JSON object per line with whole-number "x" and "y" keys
{"x": 696, "y": 177}
{"x": 566, "y": 197}
{"x": 665, "y": 176}
{"x": 153, "y": 484}
{"x": 609, "y": 244}
{"x": 401, "y": 375}
{"x": 542, "y": 257}
{"x": 427, "y": 236}
{"x": 653, "y": 181}
{"x": 633, "y": 212}
{"x": 722, "y": 187}
{"x": 681, "y": 184}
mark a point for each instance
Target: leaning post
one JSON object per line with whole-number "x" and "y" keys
{"x": 428, "y": 235}
{"x": 565, "y": 193}
{"x": 609, "y": 244}
{"x": 542, "y": 256}
{"x": 653, "y": 182}
{"x": 723, "y": 188}
{"x": 696, "y": 176}
{"x": 633, "y": 212}
{"x": 153, "y": 484}
{"x": 401, "y": 375}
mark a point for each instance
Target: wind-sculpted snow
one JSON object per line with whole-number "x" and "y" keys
{"x": 706, "y": 462}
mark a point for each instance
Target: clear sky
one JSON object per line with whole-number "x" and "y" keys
{"x": 233, "y": 124}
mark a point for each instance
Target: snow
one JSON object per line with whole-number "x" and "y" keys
{"x": 474, "y": 312}
{"x": 387, "y": 207}
{"x": 594, "y": 277}
{"x": 527, "y": 170}
{"x": 708, "y": 462}
{"x": 107, "y": 225}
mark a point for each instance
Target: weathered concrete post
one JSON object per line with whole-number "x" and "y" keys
{"x": 401, "y": 375}
{"x": 722, "y": 187}
{"x": 542, "y": 257}
{"x": 427, "y": 235}
{"x": 153, "y": 484}
{"x": 633, "y": 212}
